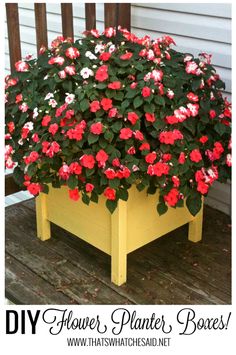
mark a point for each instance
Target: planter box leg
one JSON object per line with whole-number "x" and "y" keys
{"x": 195, "y": 227}
{"x": 118, "y": 244}
{"x": 43, "y": 225}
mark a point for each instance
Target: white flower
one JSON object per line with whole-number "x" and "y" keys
{"x": 90, "y": 55}
{"x": 20, "y": 141}
{"x": 48, "y": 96}
{"x": 69, "y": 98}
{"x": 112, "y": 48}
{"x": 86, "y": 73}
{"x": 35, "y": 114}
{"x": 52, "y": 103}
{"x": 46, "y": 77}
{"x": 99, "y": 48}
{"x": 29, "y": 125}
{"x": 187, "y": 58}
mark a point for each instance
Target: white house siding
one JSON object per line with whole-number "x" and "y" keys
{"x": 196, "y": 28}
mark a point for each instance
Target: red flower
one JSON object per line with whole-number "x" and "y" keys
{"x": 106, "y": 104}
{"x": 102, "y": 73}
{"x": 89, "y": 187}
{"x": 72, "y": 53}
{"x": 96, "y": 128}
{"x": 144, "y": 146}
{"x": 110, "y": 193}
{"x": 88, "y": 161}
{"x": 110, "y": 173}
{"x": 112, "y": 112}
{"x": 126, "y": 56}
{"x": 138, "y": 135}
{"x": 172, "y": 197}
{"x": 150, "y": 117}
{"x": 115, "y": 85}
{"x": 158, "y": 169}
{"x": 70, "y": 69}
{"x": 46, "y": 120}
{"x": 19, "y": 98}
{"x": 166, "y": 157}
{"x": 172, "y": 119}
{"x": 202, "y": 187}
{"x": 195, "y": 156}
{"x": 146, "y": 91}
{"x": 176, "y": 181}
{"x": 34, "y": 188}
{"x": 181, "y": 159}
{"x": 169, "y": 137}
{"x": 74, "y": 194}
{"x": 101, "y": 156}
{"x": 11, "y": 126}
{"x": 203, "y": 139}
{"x": 53, "y": 128}
{"x": 94, "y": 106}
{"x": 131, "y": 150}
{"x": 105, "y": 56}
{"x": 75, "y": 168}
{"x": 21, "y": 66}
{"x": 125, "y": 133}
{"x": 192, "y": 97}
{"x": 56, "y": 60}
{"x": 116, "y": 162}
{"x": 212, "y": 114}
{"x": 151, "y": 157}
{"x": 132, "y": 117}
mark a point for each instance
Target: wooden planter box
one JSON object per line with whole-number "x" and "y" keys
{"x": 133, "y": 224}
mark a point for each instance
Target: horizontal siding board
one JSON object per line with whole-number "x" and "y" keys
{"x": 214, "y": 29}
{"x": 216, "y": 10}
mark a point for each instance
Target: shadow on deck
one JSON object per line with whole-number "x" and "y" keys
{"x": 66, "y": 270}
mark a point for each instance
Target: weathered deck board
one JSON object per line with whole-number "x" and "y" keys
{"x": 170, "y": 270}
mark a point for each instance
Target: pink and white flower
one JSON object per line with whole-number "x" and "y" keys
{"x": 86, "y": 73}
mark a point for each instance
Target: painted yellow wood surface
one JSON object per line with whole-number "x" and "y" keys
{"x": 133, "y": 224}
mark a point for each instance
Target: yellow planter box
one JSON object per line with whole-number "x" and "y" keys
{"x": 133, "y": 224}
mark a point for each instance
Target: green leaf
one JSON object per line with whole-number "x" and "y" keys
{"x": 150, "y": 108}
{"x": 92, "y": 138}
{"x": 205, "y": 105}
{"x": 45, "y": 189}
{"x": 196, "y": 84}
{"x": 32, "y": 168}
{"x": 194, "y": 203}
{"x": 125, "y": 104}
{"x": 18, "y": 175}
{"x": 109, "y": 135}
{"x": 123, "y": 194}
{"x": 111, "y": 205}
{"x": 116, "y": 127}
{"x": 84, "y": 105}
{"x": 72, "y": 182}
{"x": 190, "y": 124}
{"x": 94, "y": 197}
{"x": 114, "y": 183}
{"x": 220, "y": 128}
{"x": 85, "y": 199}
{"x": 119, "y": 96}
{"x": 101, "y": 86}
{"x": 138, "y": 101}
{"x": 131, "y": 94}
{"x": 159, "y": 100}
{"x": 140, "y": 187}
{"x": 151, "y": 190}
{"x": 161, "y": 208}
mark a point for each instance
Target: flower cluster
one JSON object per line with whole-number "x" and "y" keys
{"x": 112, "y": 110}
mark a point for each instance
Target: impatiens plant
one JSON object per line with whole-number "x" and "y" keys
{"x": 109, "y": 111}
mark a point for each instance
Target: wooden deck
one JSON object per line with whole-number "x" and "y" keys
{"x": 66, "y": 270}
